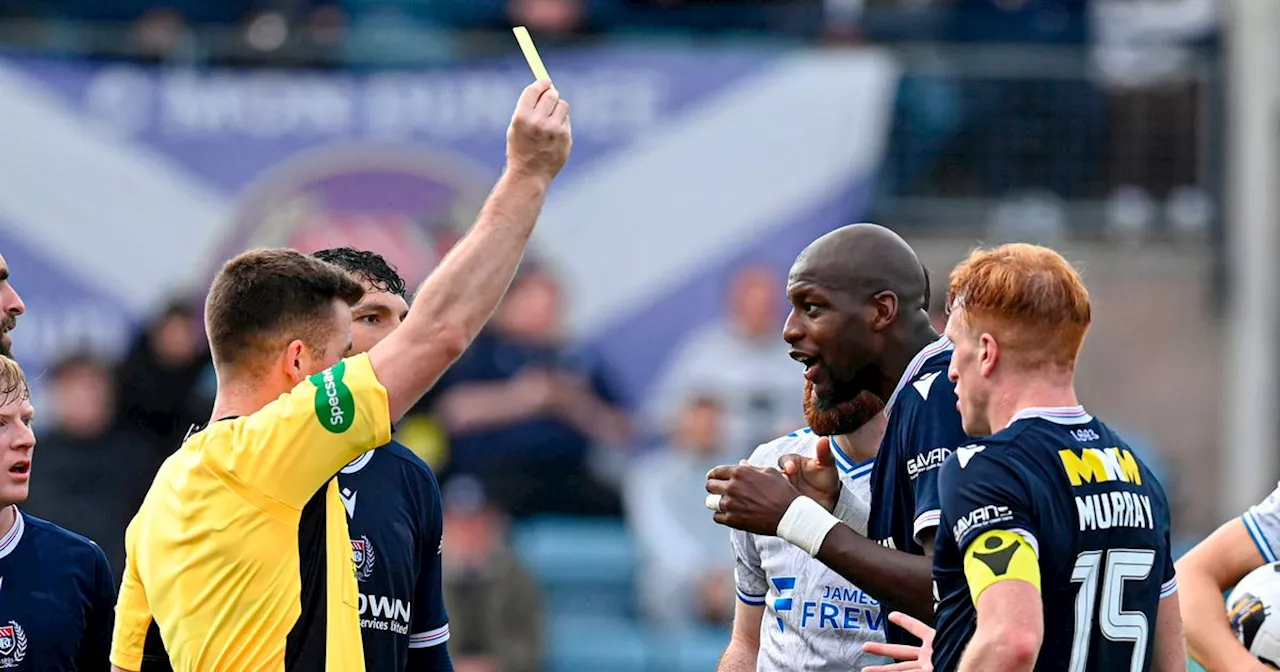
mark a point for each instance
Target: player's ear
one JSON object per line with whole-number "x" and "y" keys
{"x": 988, "y": 353}
{"x": 884, "y": 308}
{"x": 296, "y": 360}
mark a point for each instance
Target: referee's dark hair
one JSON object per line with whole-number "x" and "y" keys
{"x": 263, "y": 299}
{"x": 367, "y": 266}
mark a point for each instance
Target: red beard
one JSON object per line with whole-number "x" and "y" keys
{"x": 844, "y": 417}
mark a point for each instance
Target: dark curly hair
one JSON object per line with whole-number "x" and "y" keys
{"x": 365, "y": 265}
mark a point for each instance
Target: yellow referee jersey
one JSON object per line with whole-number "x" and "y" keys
{"x": 239, "y": 559}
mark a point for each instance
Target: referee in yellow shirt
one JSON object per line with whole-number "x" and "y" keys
{"x": 239, "y": 559}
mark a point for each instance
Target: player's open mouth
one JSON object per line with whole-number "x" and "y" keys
{"x": 812, "y": 365}
{"x": 21, "y": 468}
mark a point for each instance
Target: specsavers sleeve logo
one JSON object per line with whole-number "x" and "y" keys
{"x": 335, "y": 407}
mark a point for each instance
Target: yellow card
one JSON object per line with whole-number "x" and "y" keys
{"x": 530, "y": 53}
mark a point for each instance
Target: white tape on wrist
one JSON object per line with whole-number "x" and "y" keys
{"x": 805, "y": 524}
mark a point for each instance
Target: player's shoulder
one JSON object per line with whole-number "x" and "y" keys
{"x": 403, "y": 456}
{"x": 799, "y": 442}
{"x": 58, "y": 541}
{"x": 926, "y": 391}
{"x": 980, "y": 458}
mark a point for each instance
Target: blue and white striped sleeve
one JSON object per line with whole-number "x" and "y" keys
{"x": 748, "y": 575}
{"x": 1263, "y": 523}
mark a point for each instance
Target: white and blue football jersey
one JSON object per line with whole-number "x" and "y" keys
{"x": 1262, "y": 520}
{"x": 814, "y": 619}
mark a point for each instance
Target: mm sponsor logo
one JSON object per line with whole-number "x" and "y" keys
{"x": 1100, "y": 465}
{"x": 335, "y": 407}
{"x": 927, "y": 461}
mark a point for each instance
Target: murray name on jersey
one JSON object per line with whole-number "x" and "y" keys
{"x": 814, "y": 619}
{"x": 1112, "y": 507}
{"x": 1059, "y": 500}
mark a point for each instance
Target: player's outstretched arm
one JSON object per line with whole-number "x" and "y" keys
{"x": 455, "y": 302}
{"x": 903, "y": 581}
{"x": 744, "y": 643}
{"x": 1169, "y": 653}
{"x": 1204, "y": 574}
{"x": 1010, "y": 629}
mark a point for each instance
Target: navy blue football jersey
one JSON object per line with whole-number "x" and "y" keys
{"x": 395, "y": 520}
{"x": 57, "y": 600}
{"x": 922, "y": 430}
{"x": 1058, "y": 491}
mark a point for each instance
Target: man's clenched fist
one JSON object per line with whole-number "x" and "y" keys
{"x": 752, "y": 499}
{"x": 540, "y": 137}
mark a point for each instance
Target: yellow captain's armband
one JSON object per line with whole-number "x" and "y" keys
{"x": 999, "y": 555}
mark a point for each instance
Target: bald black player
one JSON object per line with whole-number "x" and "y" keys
{"x": 859, "y": 324}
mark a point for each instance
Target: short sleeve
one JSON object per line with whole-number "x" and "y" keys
{"x": 979, "y": 493}
{"x": 936, "y": 432}
{"x": 132, "y": 618}
{"x": 1169, "y": 576}
{"x": 291, "y": 447}
{"x": 748, "y": 575}
{"x": 1263, "y": 523}
{"x": 430, "y": 619}
{"x": 1169, "y": 579}
{"x": 95, "y": 646}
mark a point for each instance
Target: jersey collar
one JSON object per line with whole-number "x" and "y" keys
{"x": 935, "y": 348}
{"x": 357, "y": 464}
{"x": 846, "y": 464}
{"x": 11, "y": 538}
{"x": 1062, "y": 415}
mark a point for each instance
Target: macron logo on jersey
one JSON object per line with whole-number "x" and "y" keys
{"x": 348, "y": 498}
{"x": 966, "y": 453}
{"x": 925, "y": 384}
{"x": 785, "y": 585}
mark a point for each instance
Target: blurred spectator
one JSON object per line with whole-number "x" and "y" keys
{"x": 159, "y": 394}
{"x": 90, "y": 476}
{"x": 687, "y": 572}
{"x": 1142, "y": 52}
{"x": 524, "y": 412}
{"x": 938, "y": 310}
{"x": 743, "y": 361}
{"x": 554, "y": 17}
{"x": 494, "y": 605}
{"x": 1016, "y": 119}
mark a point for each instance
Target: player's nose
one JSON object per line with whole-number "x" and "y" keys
{"x": 791, "y": 331}
{"x": 10, "y": 301}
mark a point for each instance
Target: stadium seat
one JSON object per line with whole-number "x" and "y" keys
{"x": 585, "y": 566}
{"x": 697, "y": 650}
{"x": 577, "y": 643}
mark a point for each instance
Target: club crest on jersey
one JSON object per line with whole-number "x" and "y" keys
{"x": 362, "y": 553}
{"x": 13, "y": 645}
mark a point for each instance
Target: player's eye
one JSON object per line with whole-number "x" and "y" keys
{"x": 369, "y": 319}
{"x": 811, "y": 308}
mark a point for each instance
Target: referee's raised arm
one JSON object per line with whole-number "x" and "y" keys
{"x": 454, "y": 303}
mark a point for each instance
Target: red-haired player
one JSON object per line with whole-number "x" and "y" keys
{"x": 1053, "y": 548}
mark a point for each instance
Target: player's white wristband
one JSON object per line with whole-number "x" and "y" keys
{"x": 805, "y": 524}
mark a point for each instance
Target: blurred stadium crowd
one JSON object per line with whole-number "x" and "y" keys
{"x": 991, "y": 88}
{"x": 573, "y": 512}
